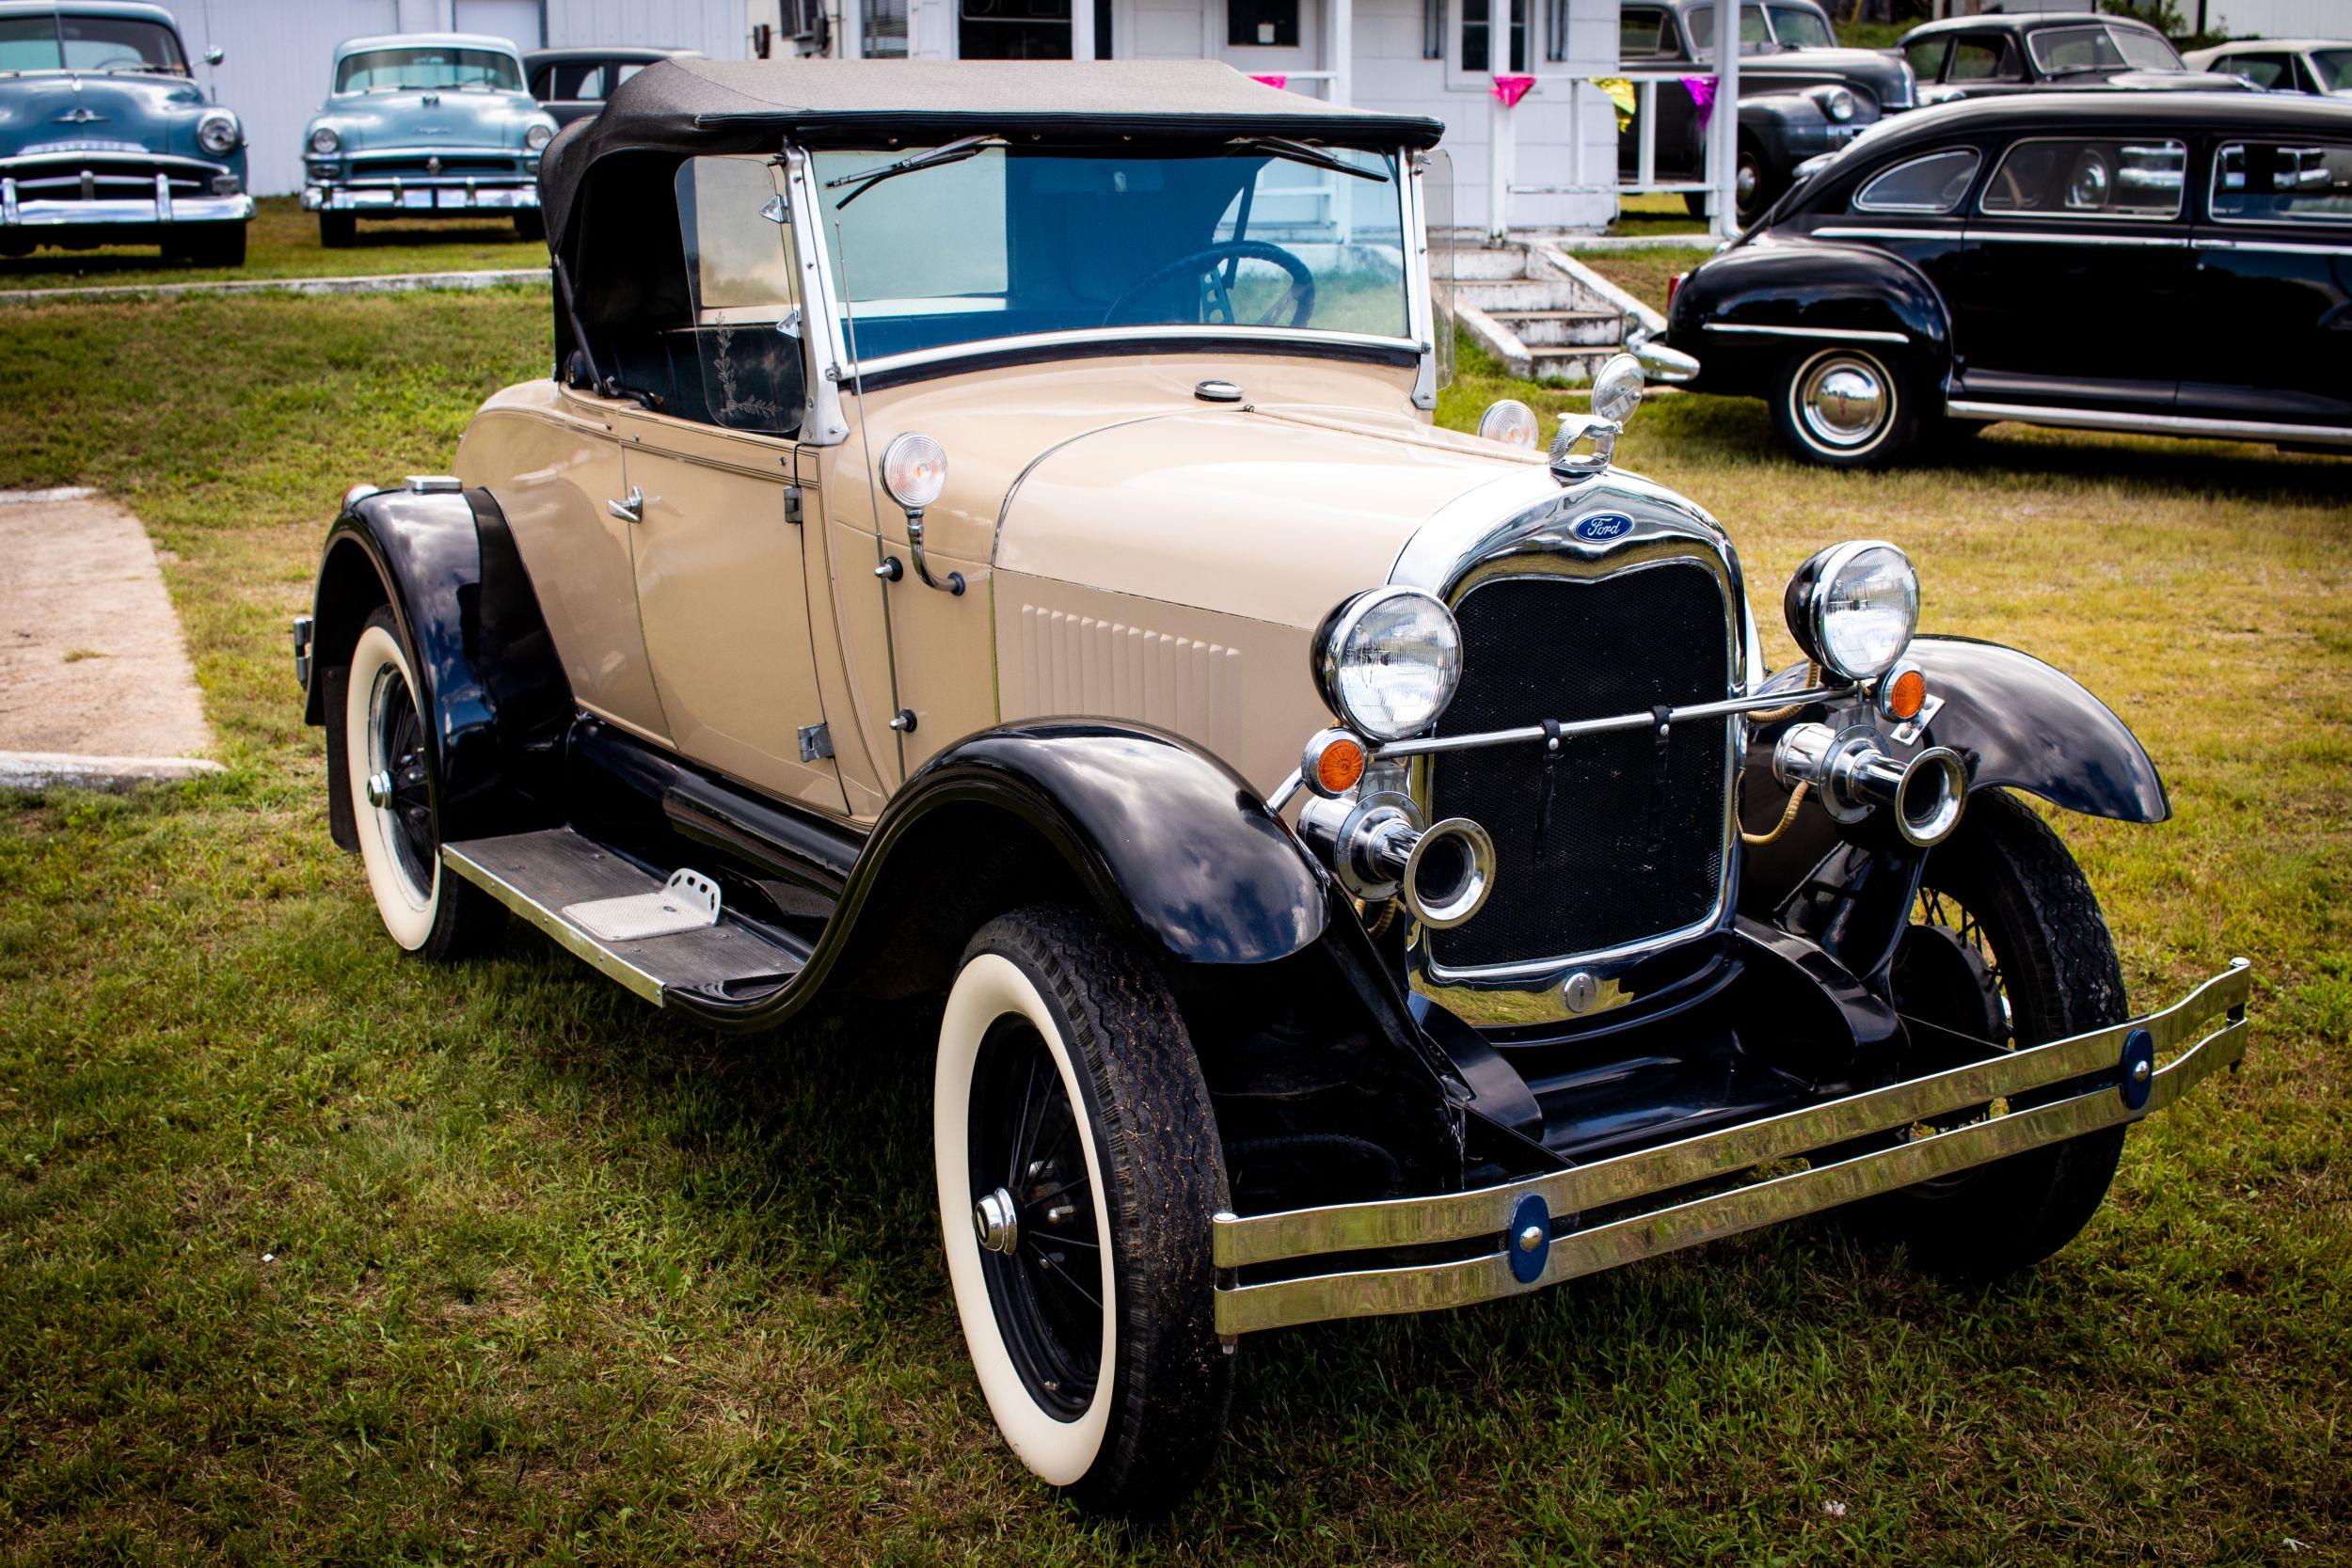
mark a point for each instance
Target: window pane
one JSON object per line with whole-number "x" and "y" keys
{"x": 1926, "y": 57}
{"x": 385, "y": 69}
{"x": 2145, "y": 51}
{"x": 112, "y": 43}
{"x": 2265, "y": 181}
{"x": 2059, "y": 51}
{"x": 1983, "y": 59}
{"x": 739, "y": 274}
{"x": 2065, "y": 177}
{"x": 2334, "y": 66}
{"x": 1642, "y": 34}
{"x": 1011, "y": 243}
{"x": 1934, "y": 183}
{"x": 1475, "y": 55}
{"x": 2264, "y": 71}
{"x": 1801, "y": 28}
{"x": 1752, "y": 33}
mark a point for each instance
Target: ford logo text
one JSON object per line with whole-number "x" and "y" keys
{"x": 1601, "y": 525}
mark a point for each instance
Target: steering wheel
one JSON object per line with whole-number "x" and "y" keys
{"x": 1218, "y": 265}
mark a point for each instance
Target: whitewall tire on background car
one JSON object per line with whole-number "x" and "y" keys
{"x": 1078, "y": 1165}
{"x": 1845, "y": 408}
{"x": 391, "y": 767}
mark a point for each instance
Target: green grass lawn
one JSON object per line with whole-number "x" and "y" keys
{"x": 309, "y": 1253}
{"x": 283, "y": 242}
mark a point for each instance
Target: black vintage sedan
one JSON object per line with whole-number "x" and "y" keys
{"x": 1974, "y": 57}
{"x": 2173, "y": 264}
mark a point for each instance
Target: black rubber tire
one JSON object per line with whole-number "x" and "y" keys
{"x": 448, "y": 918}
{"x": 1168, "y": 1382}
{"x": 2059, "y": 968}
{"x": 338, "y": 231}
{"x": 531, "y": 225}
{"x": 1887, "y": 445}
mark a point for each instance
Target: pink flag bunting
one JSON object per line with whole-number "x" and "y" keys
{"x": 1702, "y": 92}
{"x": 1276, "y": 80}
{"x": 1512, "y": 89}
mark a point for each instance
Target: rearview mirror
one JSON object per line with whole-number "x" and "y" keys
{"x": 215, "y": 55}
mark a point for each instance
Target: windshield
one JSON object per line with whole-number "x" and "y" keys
{"x": 1011, "y": 242}
{"x": 2333, "y": 67}
{"x": 1800, "y": 28}
{"x": 1754, "y": 35}
{"x": 460, "y": 70}
{"x": 63, "y": 42}
{"x": 2064, "y": 51}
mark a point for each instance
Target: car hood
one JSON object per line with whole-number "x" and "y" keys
{"x": 1885, "y": 78}
{"x": 446, "y": 118}
{"x": 69, "y": 111}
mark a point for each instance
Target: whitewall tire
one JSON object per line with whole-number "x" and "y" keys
{"x": 1846, "y": 406}
{"x": 1077, "y": 1165}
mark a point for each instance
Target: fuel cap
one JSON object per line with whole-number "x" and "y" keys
{"x": 1216, "y": 391}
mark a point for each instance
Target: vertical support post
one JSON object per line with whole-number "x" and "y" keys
{"x": 1576, "y": 108}
{"x": 1339, "y": 46}
{"x": 1498, "y": 167}
{"x": 1645, "y": 144}
{"x": 1081, "y": 29}
{"x": 1722, "y": 153}
{"x": 850, "y": 35}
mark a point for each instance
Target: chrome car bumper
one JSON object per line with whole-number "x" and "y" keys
{"x": 1531, "y": 1230}
{"x": 161, "y": 208}
{"x": 421, "y": 195}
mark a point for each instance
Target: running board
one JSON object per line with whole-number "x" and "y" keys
{"x": 546, "y": 878}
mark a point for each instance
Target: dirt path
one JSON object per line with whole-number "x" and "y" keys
{"x": 91, "y": 659}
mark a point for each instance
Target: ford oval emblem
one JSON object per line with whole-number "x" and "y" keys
{"x": 1597, "y": 527}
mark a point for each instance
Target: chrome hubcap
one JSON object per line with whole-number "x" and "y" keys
{"x": 997, "y": 1219}
{"x": 1745, "y": 182}
{"x": 379, "y": 789}
{"x": 1843, "y": 401}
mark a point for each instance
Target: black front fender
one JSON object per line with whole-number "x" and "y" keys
{"x": 1745, "y": 313}
{"x": 2020, "y": 724}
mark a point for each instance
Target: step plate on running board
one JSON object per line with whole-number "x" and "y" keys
{"x": 548, "y": 877}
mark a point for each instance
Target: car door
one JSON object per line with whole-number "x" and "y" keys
{"x": 1913, "y": 206}
{"x": 721, "y": 563}
{"x": 2273, "y": 267}
{"x": 2077, "y": 271}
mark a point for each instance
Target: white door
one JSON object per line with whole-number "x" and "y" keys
{"x": 520, "y": 23}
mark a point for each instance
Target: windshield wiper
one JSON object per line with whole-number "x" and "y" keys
{"x": 1298, "y": 152}
{"x": 931, "y": 157}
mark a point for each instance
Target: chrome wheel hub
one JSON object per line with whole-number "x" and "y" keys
{"x": 997, "y": 1219}
{"x": 1843, "y": 401}
{"x": 1745, "y": 182}
{"x": 379, "y": 789}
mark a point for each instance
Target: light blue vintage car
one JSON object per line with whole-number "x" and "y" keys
{"x": 424, "y": 125}
{"x": 106, "y": 140}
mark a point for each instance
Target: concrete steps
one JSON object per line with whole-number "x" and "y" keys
{"x": 1543, "y": 315}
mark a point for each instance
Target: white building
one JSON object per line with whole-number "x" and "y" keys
{"x": 277, "y": 50}
{"x": 1435, "y": 58}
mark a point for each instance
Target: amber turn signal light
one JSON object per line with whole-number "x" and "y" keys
{"x": 1333, "y": 763}
{"x": 1902, "y": 691}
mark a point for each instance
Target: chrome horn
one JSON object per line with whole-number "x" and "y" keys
{"x": 1852, "y": 775}
{"x": 1378, "y": 850}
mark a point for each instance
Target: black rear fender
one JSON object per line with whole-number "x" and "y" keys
{"x": 1745, "y": 313}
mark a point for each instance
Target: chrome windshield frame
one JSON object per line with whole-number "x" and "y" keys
{"x": 832, "y": 365}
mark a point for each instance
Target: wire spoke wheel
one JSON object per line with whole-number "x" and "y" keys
{"x": 397, "y": 757}
{"x": 1043, "y": 1268}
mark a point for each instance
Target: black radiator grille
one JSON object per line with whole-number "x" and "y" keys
{"x": 1630, "y": 845}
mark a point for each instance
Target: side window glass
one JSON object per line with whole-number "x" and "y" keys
{"x": 1927, "y": 58}
{"x": 1642, "y": 34}
{"x": 739, "y": 279}
{"x": 2067, "y": 178}
{"x": 1985, "y": 59}
{"x": 2261, "y": 70}
{"x": 2283, "y": 183}
{"x": 1934, "y": 183}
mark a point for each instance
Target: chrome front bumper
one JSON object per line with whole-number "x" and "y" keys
{"x": 1531, "y": 1229}
{"x": 422, "y": 196}
{"x": 162, "y": 208}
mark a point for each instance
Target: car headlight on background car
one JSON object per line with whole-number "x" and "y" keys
{"x": 1853, "y": 607}
{"x": 218, "y": 133}
{"x": 323, "y": 140}
{"x": 537, "y": 138}
{"x": 1388, "y": 660}
{"x": 1839, "y": 103}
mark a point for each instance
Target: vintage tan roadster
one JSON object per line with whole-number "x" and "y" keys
{"x": 984, "y": 540}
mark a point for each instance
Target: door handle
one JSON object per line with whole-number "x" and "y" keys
{"x": 631, "y": 510}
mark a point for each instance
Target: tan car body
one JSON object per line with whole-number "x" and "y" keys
{"x": 1131, "y": 551}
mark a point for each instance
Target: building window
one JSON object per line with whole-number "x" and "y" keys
{"x": 1262, "y": 24}
{"x": 885, "y": 29}
{"x": 1493, "y": 36}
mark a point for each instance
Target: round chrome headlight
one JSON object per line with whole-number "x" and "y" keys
{"x": 913, "y": 470}
{"x": 1853, "y": 607}
{"x": 323, "y": 140}
{"x": 1840, "y": 103}
{"x": 1388, "y": 660}
{"x": 538, "y": 136}
{"x": 217, "y": 132}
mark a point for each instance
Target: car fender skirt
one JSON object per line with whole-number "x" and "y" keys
{"x": 496, "y": 694}
{"x": 2020, "y": 724}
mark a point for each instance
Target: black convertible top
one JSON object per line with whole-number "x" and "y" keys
{"x": 689, "y": 107}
